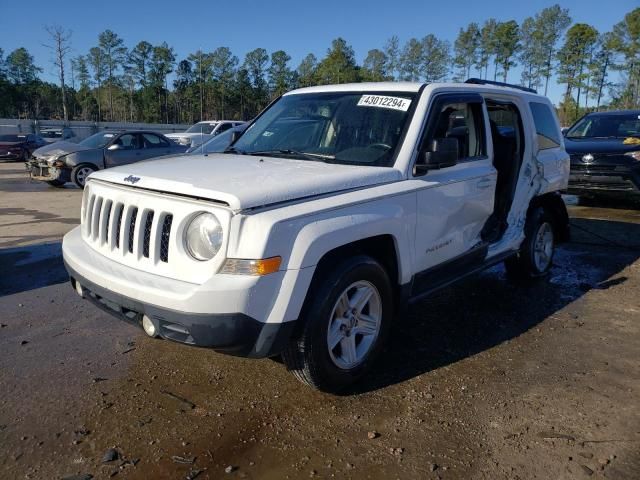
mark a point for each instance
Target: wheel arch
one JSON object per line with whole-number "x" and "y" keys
{"x": 89, "y": 157}
{"x": 552, "y": 202}
{"x": 382, "y": 248}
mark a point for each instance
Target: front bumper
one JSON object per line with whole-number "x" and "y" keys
{"x": 232, "y": 333}
{"x": 618, "y": 179}
{"x": 47, "y": 173}
{"x": 228, "y": 313}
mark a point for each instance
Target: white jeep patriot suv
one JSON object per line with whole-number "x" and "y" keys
{"x": 336, "y": 208}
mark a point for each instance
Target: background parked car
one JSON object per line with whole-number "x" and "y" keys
{"x": 55, "y": 134}
{"x": 219, "y": 143}
{"x": 202, "y": 131}
{"x": 19, "y": 147}
{"x": 62, "y": 162}
{"x": 605, "y": 154}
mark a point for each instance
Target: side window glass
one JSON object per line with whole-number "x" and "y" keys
{"x": 546, "y": 128}
{"x": 153, "y": 141}
{"x": 462, "y": 122}
{"x": 128, "y": 141}
{"x": 223, "y": 127}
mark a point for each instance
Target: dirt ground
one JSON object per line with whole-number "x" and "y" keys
{"x": 486, "y": 380}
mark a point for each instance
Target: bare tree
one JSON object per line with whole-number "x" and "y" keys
{"x": 61, "y": 47}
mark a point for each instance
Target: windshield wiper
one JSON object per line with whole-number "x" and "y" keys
{"x": 288, "y": 151}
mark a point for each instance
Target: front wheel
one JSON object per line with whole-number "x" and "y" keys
{"x": 80, "y": 173}
{"x": 347, "y": 318}
{"x": 535, "y": 257}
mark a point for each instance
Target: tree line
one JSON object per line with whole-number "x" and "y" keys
{"x": 149, "y": 83}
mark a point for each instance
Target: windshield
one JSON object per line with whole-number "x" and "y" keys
{"x": 606, "y": 126}
{"x": 12, "y": 138}
{"x": 347, "y": 128}
{"x": 205, "y": 128}
{"x": 217, "y": 144}
{"x": 98, "y": 140}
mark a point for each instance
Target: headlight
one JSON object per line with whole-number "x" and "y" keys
{"x": 52, "y": 160}
{"x": 184, "y": 141}
{"x": 203, "y": 236}
{"x": 635, "y": 155}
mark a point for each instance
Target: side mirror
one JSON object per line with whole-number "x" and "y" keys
{"x": 113, "y": 147}
{"x": 564, "y": 131}
{"x": 442, "y": 153}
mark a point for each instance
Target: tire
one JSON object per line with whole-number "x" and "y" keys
{"x": 56, "y": 183}
{"x": 80, "y": 173}
{"x": 535, "y": 257}
{"x": 358, "y": 336}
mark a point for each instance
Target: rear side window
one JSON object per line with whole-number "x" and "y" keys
{"x": 153, "y": 141}
{"x": 548, "y": 135}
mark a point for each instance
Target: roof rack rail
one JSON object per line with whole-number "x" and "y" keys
{"x": 479, "y": 81}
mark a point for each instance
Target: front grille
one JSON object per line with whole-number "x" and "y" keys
{"x": 144, "y": 231}
{"x": 125, "y": 227}
{"x": 593, "y": 168}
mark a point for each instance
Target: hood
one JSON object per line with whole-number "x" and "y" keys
{"x": 186, "y": 135}
{"x": 244, "y": 181}
{"x": 598, "y": 145}
{"x": 59, "y": 148}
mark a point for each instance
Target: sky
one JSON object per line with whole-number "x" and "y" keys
{"x": 297, "y": 27}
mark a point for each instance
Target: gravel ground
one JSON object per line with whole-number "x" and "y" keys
{"x": 486, "y": 380}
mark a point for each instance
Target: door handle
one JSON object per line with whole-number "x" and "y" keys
{"x": 484, "y": 183}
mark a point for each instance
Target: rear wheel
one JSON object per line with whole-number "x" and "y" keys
{"x": 535, "y": 257}
{"x": 346, "y": 324}
{"x": 80, "y": 173}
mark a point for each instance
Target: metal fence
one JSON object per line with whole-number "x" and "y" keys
{"x": 82, "y": 130}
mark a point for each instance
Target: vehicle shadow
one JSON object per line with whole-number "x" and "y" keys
{"x": 486, "y": 310}
{"x": 31, "y": 267}
{"x": 37, "y": 216}
{"x": 26, "y": 185}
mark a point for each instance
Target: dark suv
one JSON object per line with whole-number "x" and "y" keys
{"x": 605, "y": 154}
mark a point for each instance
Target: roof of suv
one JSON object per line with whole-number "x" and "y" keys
{"x": 411, "y": 87}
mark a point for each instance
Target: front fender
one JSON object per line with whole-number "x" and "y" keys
{"x": 336, "y": 229}
{"x": 94, "y": 157}
{"x": 320, "y": 237}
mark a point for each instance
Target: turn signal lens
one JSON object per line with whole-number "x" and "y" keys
{"x": 240, "y": 266}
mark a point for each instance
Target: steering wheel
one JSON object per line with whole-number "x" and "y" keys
{"x": 380, "y": 146}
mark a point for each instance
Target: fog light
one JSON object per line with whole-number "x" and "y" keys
{"x": 79, "y": 289}
{"x": 148, "y": 326}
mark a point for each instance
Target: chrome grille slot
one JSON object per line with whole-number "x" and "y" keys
{"x": 88, "y": 214}
{"x": 164, "y": 237}
{"x": 119, "y": 224}
{"x": 105, "y": 215}
{"x": 132, "y": 228}
{"x": 95, "y": 218}
{"x": 147, "y": 233}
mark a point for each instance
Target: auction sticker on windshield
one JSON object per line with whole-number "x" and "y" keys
{"x": 382, "y": 101}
